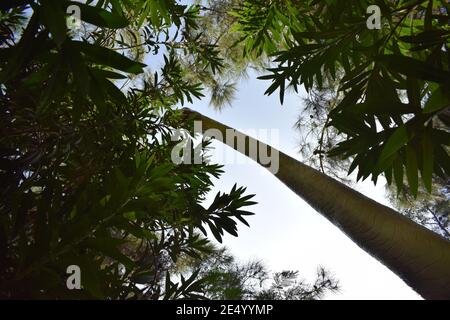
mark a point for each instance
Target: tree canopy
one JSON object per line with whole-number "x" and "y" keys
{"x": 86, "y": 170}
{"x": 87, "y": 117}
{"x": 394, "y": 81}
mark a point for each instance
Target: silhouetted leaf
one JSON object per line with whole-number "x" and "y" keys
{"x": 108, "y": 57}
{"x": 100, "y": 17}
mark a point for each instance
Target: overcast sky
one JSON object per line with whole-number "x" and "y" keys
{"x": 286, "y": 233}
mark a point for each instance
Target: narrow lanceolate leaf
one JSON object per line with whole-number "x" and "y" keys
{"x": 428, "y": 161}
{"x": 395, "y": 142}
{"x": 108, "y": 57}
{"x": 437, "y": 101}
{"x": 100, "y": 17}
{"x": 411, "y": 170}
{"x": 415, "y": 68}
{"x": 282, "y": 88}
{"x": 398, "y": 173}
{"x": 53, "y": 17}
{"x": 108, "y": 74}
{"x": 429, "y": 16}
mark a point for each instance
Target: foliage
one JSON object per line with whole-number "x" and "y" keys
{"x": 217, "y": 20}
{"x": 431, "y": 210}
{"x": 316, "y": 137}
{"x": 225, "y": 278}
{"x": 86, "y": 170}
{"x": 428, "y": 209}
{"x": 394, "y": 83}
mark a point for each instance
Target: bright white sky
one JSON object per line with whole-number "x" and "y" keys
{"x": 286, "y": 233}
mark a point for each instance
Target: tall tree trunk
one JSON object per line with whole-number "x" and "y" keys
{"x": 418, "y": 256}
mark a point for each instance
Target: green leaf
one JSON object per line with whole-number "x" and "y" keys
{"x": 388, "y": 175}
{"x": 108, "y": 74}
{"x": 282, "y": 89}
{"x": 427, "y": 38}
{"x": 437, "y": 101}
{"x": 412, "y": 170}
{"x": 108, "y": 87}
{"x": 56, "y": 82}
{"x": 414, "y": 68}
{"x": 413, "y": 91}
{"x": 54, "y": 19}
{"x": 144, "y": 13}
{"x": 105, "y": 56}
{"x": 108, "y": 246}
{"x": 429, "y": 16}
{"x": 90, "y": 275}
{"x": 427, "y": 159}
{"x": 100, "y": 17}
{"x": 395, "y": 142}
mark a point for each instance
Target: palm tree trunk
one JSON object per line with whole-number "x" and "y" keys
{"x": 418, "y": 256}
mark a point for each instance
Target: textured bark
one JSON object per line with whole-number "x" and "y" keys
{"x": 418, "y": 256}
